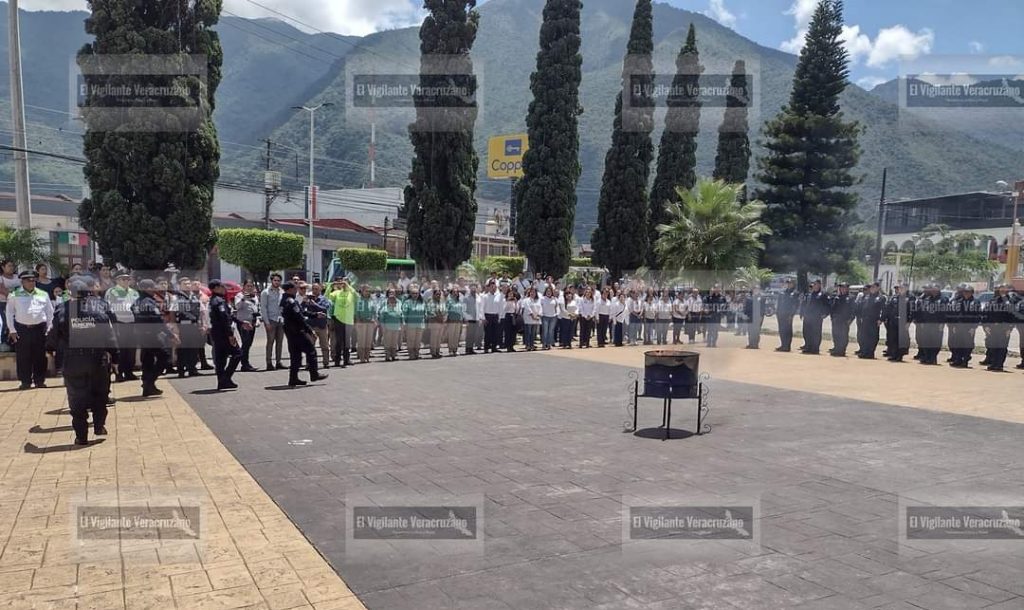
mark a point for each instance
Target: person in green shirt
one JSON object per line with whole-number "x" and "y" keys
{"x": 343, "y": 300}
{"x": 390, "y": 318}
{"x": 366, "y": 319}
{"x": 414, "y": 312}
{"x": 437, "y": 318}
{"x": 454, "y": 321}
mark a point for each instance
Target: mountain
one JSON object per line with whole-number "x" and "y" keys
{"x": 271, "y": 66}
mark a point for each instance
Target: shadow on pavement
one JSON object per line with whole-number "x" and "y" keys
{"x": 32, "y": 448}
{"x": 37, "y": 429}
{"x": 659, "y": 433}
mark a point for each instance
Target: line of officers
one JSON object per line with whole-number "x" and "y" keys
{"x": 931, "y": 313}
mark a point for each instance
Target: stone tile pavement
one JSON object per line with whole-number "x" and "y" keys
{"x": 248, "y": 555}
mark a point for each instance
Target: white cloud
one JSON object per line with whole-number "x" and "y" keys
{"x": 976, "y": 47}
{"x": 891, "y": 43}
{"x": 899, "y": 42}
{"x": 355, "y": 17}
{"x": 718, "y": 12}
{"x": 870, "y": 82}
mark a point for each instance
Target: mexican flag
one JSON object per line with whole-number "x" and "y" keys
{"x": 74, "y": 239}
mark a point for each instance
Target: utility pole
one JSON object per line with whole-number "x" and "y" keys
{"x": 268, "y": 191}
{"x": 881, "y": 226}
{"x": 1013, "y": 254}
{"x": 311, "y": 196}
{"x": 23, "y": 195}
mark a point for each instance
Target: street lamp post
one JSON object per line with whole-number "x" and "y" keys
{"x": 312, "y": 185}
{"x": 1013, "y": 254}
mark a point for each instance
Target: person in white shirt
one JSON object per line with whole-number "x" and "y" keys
{"x": 29, "y": 316}
{"x": 636, "y": 316}
{"x": 568, "y": 312}
{"x": 532, "y": 312}
{"x": 694, "y": 314}
{"x": 508, "y": 320}
{"x": 493, "y": 308}
{"x": 664, "y": 317}
{"x": 604, "y": 312}
{"x": 472, "y": 313}
{"x": 678, "y": 316}
{"x": 650, "y": 316}
{"x": 549, "y": 305}
{"x": 588, "y": 316}
{"x": 619, "y": 314}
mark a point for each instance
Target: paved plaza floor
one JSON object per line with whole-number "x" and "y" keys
{"x": 826, "y": 451}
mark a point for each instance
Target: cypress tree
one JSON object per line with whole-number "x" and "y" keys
{"x": 440, "y": 202}
{"x": 732, "y": 162}
{"x": 677, "y": 153}
{"x": 151, "y": 172}
{"x": 546, "y": 196}
{"x": 621, "y": 239}
{"x": 811, "y": 151}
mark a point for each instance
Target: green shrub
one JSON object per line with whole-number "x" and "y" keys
{"x": 510, "y": 264}
{"x": 580, "y": 261}
{"x": 363, "y": 259}
{"x": 259, "y": 251}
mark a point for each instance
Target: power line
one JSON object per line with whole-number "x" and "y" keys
{"x": 278, "y": 43}
{"x": 282, "y": 34}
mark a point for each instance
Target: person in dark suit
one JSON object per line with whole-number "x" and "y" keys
{"x": 788, "y": 304}
{"x": 868, "y": 310}
{"x": 840, "y": 307}
{"x": 813, "y": 310}
{"x": 226, "y": 354}
{"x": 754, "y": 308}
{"x": 299, "y": 337}
{"x": 896, "y": 317}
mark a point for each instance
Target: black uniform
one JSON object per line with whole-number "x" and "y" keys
{"x": 754, "y": 308}
{"x": 928, "y": 313}
{"x": 297, "y": 332}
{"x": 965, "y": 315}
{"x": 189, "y": 313}
{"x": 1020, "y": 328}
{"x": 788, "y": 303}
{"x": 868, "y": 310}
{"x": 225, "y": 355}
{"x": 997, "y": 317}
{"x": 896, "y": 317}
{"x": 83, "y": 328}
{"x": 714, "y": 308}
{"x": 156, "y": 340}
{"x": 841, "y": 311}
{"x": 813, "y": 310}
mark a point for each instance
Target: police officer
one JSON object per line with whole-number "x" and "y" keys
{"x": 754, "y": 308}
{"x": 840, "y": 307}
{"x": 869, "y": 318}
{"x": 156, "y": 333}
{"x": 189, "y": 311}
{"x": 120, "y": 299}
{"x": 29, "y": 316}
{"x": 896, "y": 317}
{"x": 299, "y": 336}
{"x": 715, "y": 307}
{"x": 997, "y": 318}
{"x": 788, "y": 303}
{"x": 966, "y": 314}
{"x": 83, "y": 328}
{"x": 928, "y": 313}
{"x": 813, "y": 310}
{"x": 226, "y": 354}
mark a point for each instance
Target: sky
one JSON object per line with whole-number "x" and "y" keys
{"x": 880, "y": 34}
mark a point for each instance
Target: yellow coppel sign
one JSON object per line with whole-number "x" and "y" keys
{"x": 505, "y": 156}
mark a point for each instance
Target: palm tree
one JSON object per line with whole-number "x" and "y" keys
{"x": 23, "y": 248}
{"x": 753, "y": 275}
{"x": 711, "y": 228}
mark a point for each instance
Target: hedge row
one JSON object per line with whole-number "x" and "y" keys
{"x": 362, "y": 259}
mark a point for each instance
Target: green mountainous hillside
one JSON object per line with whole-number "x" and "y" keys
{"x": 271, "y": 66}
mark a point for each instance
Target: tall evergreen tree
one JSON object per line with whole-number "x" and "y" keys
{"x": 151, "y": 175}
{"x": 621, "y": 239}
{"x": 677, "y": 153}
{"x": 732, "y": 162}
{"x": 440, "y": 201}
{"x": 811, "y": 151}
{"x": 546, "y": 196}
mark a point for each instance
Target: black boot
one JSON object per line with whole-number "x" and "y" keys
{"x": 293, "y": 380}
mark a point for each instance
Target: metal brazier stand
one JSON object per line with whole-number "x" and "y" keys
{"x": 671, "y": 375}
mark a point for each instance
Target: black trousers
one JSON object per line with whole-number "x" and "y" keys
{"x": 340, "y": 347}
{"x": 565, "y": 332}
{"x": 88, "y": 392}
{"x": 997, "y": 344}
{"x": 677, "y": 328}
{"x": 154, "y": 361}
{"x": 785, "y": 332}
{"x": 754, "y": 332}
{"x": 30, "y": 353}
{"x": 586, "y": 327}
{"x": 929, "y": 341}
{"x": 812, "y": 334}
{"x": 225, "y": 360}
{"x": 508, "y": 331}
{"x": 247, "y": 338}
{"x": 492, "y": 332}
{"x": 840, "y": 336}
{"x": 867, "y": 337}
{"x": 300, "y": 345}
{"x": 897, "y": 339}
{"x": 714, "y": 326}
{"x": 602, "y": 329}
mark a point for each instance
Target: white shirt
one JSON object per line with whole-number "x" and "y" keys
{"x": 679, "y": 309}
{"x": 493, "y": 304}
{"x": 588, "y": 309}
{"x": 471, "y": 307}
{"x": 532, "y": 310}
{"x": 694, "y": 304}
{"x": 650, "y": 310}
{"x": 29, "y": 308}
{"x": 511, "y": 307}
{"x": 619, "y": 311}
{"x": 636, "y": 306}
{"x": 566, "y": 310}
{"x": 604, "y": 306}
{"x": 664, "y": 309}
{"x": 549, "y": 307}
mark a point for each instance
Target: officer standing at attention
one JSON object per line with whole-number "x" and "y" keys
{"x": 789, "y": 302}
{"x": 841, "y": 309}
{"x": 300, "y": 338}
{"x": 896, "y": 316}
{"x": 83, "y": 327}
{"x": 29, "y": 316}
{"x": 754, "y": 308}
{"x": 156, "y": 334}
{"x": 869, "y": 319}
{"x": 997, "y": 319}
{"x": 813, "y": 311}
{"x": 929, "y": 316}
{"x": 226, "y": 354}
{"x": 966, "y": 312}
